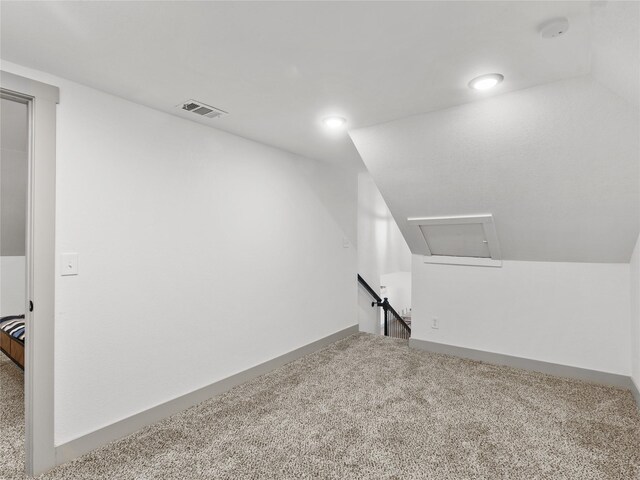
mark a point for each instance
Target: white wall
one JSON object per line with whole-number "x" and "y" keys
{"x": 635, "y": 314}
{"x": 573, "y": 314}
{"x": 201, "y": 254}
{"x": 381, "y": 248}
{"x": 397, "y": 287}
{"x": 13, "y": 177}
{"x": 13, "y": 206}
{"x": 12, "y": 286}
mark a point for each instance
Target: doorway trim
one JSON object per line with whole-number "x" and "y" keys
{"x": 41, "y": 100}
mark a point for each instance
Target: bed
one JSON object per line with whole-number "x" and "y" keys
{"x": 12, "y": 335}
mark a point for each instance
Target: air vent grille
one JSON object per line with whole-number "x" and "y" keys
{"x": 201, "y": 109}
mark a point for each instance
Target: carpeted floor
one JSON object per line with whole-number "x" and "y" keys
{"x": 369, "y": 407}
{"x": 11, "y": 419}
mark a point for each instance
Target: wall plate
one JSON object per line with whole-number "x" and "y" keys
{"x": 68, "y": 264}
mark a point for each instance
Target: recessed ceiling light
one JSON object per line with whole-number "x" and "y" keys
{"x": 484, "y": 82}
{"x": 335, "y": 122}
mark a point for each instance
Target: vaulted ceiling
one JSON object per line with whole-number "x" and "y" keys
{"x": 558, "y": 165}
{"x": 552, "y": 152}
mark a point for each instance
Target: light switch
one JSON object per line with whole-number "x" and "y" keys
{"x": 69, "y": 264}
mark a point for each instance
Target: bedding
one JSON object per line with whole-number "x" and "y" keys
{"x": 12, "y": 337}
{"x": 13, "y": 326}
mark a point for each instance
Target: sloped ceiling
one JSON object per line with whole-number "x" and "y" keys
{"x": 552, "y": 152}
{"x": 557, "y": 165}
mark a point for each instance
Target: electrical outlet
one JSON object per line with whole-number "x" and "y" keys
{"x": 435, "y": 323}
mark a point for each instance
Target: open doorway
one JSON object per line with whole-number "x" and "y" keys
{"x": 396, "y": 286}
{"x": 384, "y": 263}
{"x": 14, "y": 161}
{"x": 27, "y": 274}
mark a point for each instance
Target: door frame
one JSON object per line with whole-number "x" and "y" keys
{"x": 41, "y": 100}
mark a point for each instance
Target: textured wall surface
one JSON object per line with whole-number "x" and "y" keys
{"x": 12, "y": 285}
{"x": 13, "y": 177}
{"x": 201, "y": 254}
{"x": 572, "y": 314}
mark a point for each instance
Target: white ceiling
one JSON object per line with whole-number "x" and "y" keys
{"x": 279, "y": 67}
{"x": 558, "y": 165}
{"x": 551, "y": 153}
{"x": 615, "y": 47}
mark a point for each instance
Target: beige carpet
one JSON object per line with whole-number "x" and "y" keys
{"x": 11, "y": 419}
{"x": 369, "y": 407}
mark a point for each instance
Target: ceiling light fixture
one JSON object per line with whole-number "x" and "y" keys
{"x": 335, "y": 122}
{"x": 484, "y": 82}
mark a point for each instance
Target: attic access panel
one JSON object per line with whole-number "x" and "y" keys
{"x": 469, "y": 240}
{"x": 456, "y": 240}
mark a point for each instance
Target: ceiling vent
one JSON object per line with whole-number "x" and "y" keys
{"x": 201, "y": 109}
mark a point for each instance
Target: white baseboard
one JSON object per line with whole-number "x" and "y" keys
{"x": 78, "y": 447}
{"x": 593, "y": 376}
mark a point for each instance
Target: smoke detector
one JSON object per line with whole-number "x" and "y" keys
{"x": 554, "y": 28}
{"x": 202, "y": 109}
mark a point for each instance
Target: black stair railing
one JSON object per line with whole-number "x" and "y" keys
{"x": 394, "y": 325}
